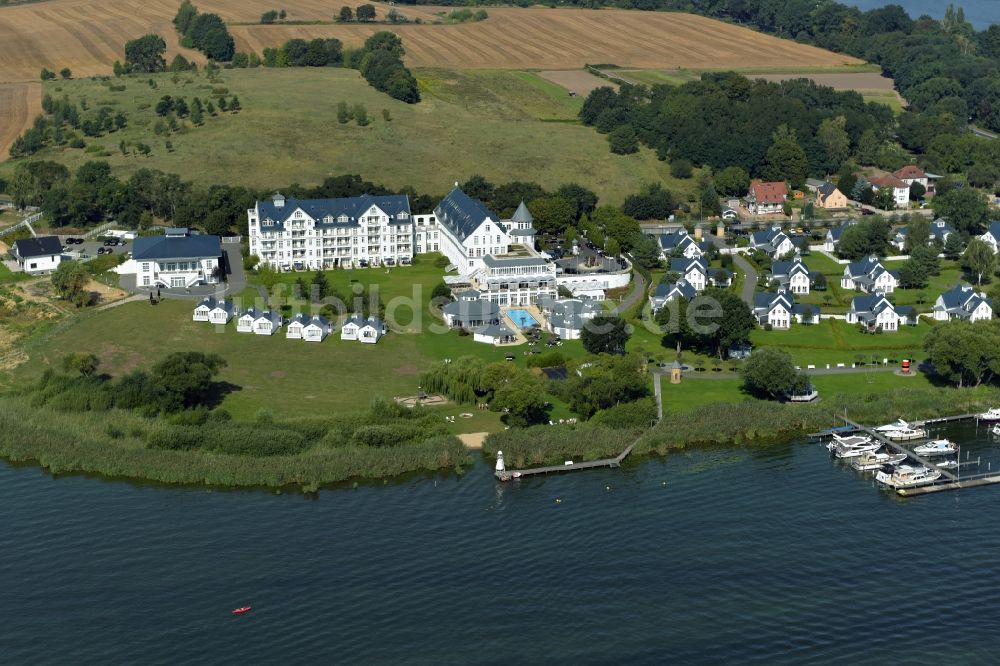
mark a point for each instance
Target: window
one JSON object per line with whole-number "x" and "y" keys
{"x": 145, "y": 267}
{"x": 145, "y": 280}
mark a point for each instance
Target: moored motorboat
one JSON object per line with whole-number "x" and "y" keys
{"x": 903, "y": 434}
{"x": 947, "y": 464}
{"x": 995, "y": 429}
{"x": 839, "y": 442}
{"x": 992, "y": 414}
{"x": 906, "y": 476}
{"x": 936, "y": 447}
{"x": 855, "y": 451}
{"x": 870, "y": 461}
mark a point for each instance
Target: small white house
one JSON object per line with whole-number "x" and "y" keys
{"x": 259, "y": 322}
{"x": 38, "y": 255}
{"x": 360, "y": 329}
{"x": 214, "y": 311}
{"x": 295, "y": 325}
{"x": 309, "y": 328}
{"x": 317, "y": 329}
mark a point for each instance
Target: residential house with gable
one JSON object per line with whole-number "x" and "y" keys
{"x": 41, "y": 254}
{"x": 828, "y": 197}
{"x": 669, "y": 291}
{"x": 774, "y": 242}
{"x": 939, "y": 231}
{"x": 911, "y": 173}
{"x": 311, "y": 234}
{"x": 779, "y": 309}
{"x": 680, "y": 242}
{"x": 765, "y": 198}
{"x": 900, "y": 190}
{"x": 834, "y": 233}
{"x": 962, "y": 302}
{"x": 214, "y": 311}
{"x": 992, "y": 235}
{"x": 793, "y": 276}
{"x": 870, "y": 276}
{"x": 875, "y": 312}
{"x": 693, "y": 271}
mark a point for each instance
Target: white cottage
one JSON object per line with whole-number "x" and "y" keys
{"x": 259, "y": 322}
{"x": 360, "y": 329}
{"x": 214, "y": 311}
{"x": 38, "y": 255}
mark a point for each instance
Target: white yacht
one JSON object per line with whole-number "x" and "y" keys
{"x": 947, "y": 464}
{"x": 851, "y": 447}
{"x": 839, "y": 442}
{"x": 990, "y": 415}
{"x": 902, "y": 430}
{"x": 906, "y": 476}
{"x": 870, "y": 461}
{"x": 936, "y": 447}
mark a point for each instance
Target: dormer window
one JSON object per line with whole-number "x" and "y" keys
{"x": 342, "y": 218}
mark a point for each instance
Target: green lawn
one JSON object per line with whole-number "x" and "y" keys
{"x": 291, "y": 377}
{"x": 691, "y": 394}
{"x": 493, "y": 123}
{"x": 833, "y": 341}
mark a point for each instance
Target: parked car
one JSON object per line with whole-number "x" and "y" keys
{"x": 100, "y": 250}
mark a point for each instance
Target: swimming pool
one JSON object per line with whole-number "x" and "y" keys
{"x": 522, "y": 318}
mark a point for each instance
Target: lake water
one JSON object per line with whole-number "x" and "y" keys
{"x": 981, "y": 13}
{"x": 778, "y": 556}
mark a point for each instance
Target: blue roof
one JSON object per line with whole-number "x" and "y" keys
{"x": 353, "y": 207}
{"x": 39, "y": 246}
{"x": 462, "y": 214}
{"x": 682, "y": 265}
{"x": 180, "y": 247}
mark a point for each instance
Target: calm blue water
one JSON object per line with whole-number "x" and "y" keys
{"x": 522, "y": 318}
{"x": 768, "y": 557}
{"x": 980, "y": 13}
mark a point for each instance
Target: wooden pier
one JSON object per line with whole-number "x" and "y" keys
{"x": 949, "y": 480}
{"x": 511, "y": 474}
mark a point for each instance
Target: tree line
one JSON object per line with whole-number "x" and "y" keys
{"x": 205, "y": 32}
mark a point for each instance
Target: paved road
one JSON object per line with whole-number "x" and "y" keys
{"x": 750, "y": 279}
{"x": 637, "y": 294}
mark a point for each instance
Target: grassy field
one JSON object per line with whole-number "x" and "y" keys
{"x": 290, "y": 377}
{"x": 834, "y": 341}
{"x": 491, "y": 123}
{"x": 691, "y": 394}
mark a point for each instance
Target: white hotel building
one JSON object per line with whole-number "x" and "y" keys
{"x": 325, "y": 233}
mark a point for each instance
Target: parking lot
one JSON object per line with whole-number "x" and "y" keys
{"x": 90, "y": 246}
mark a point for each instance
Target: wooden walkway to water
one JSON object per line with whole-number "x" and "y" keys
{"x": 510, "y": 474}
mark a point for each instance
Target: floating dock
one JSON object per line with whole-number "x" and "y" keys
{"x": 948, "y": 480}
{"x": 504, "y": 474}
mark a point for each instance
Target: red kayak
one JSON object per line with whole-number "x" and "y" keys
{"x": 242, "y": 610}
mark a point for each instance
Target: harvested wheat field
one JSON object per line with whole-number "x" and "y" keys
{"x": 19, "y": 104}
{"x": 541, "y": 38}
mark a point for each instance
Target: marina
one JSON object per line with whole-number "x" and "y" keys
{"x": 911, "y": 466}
